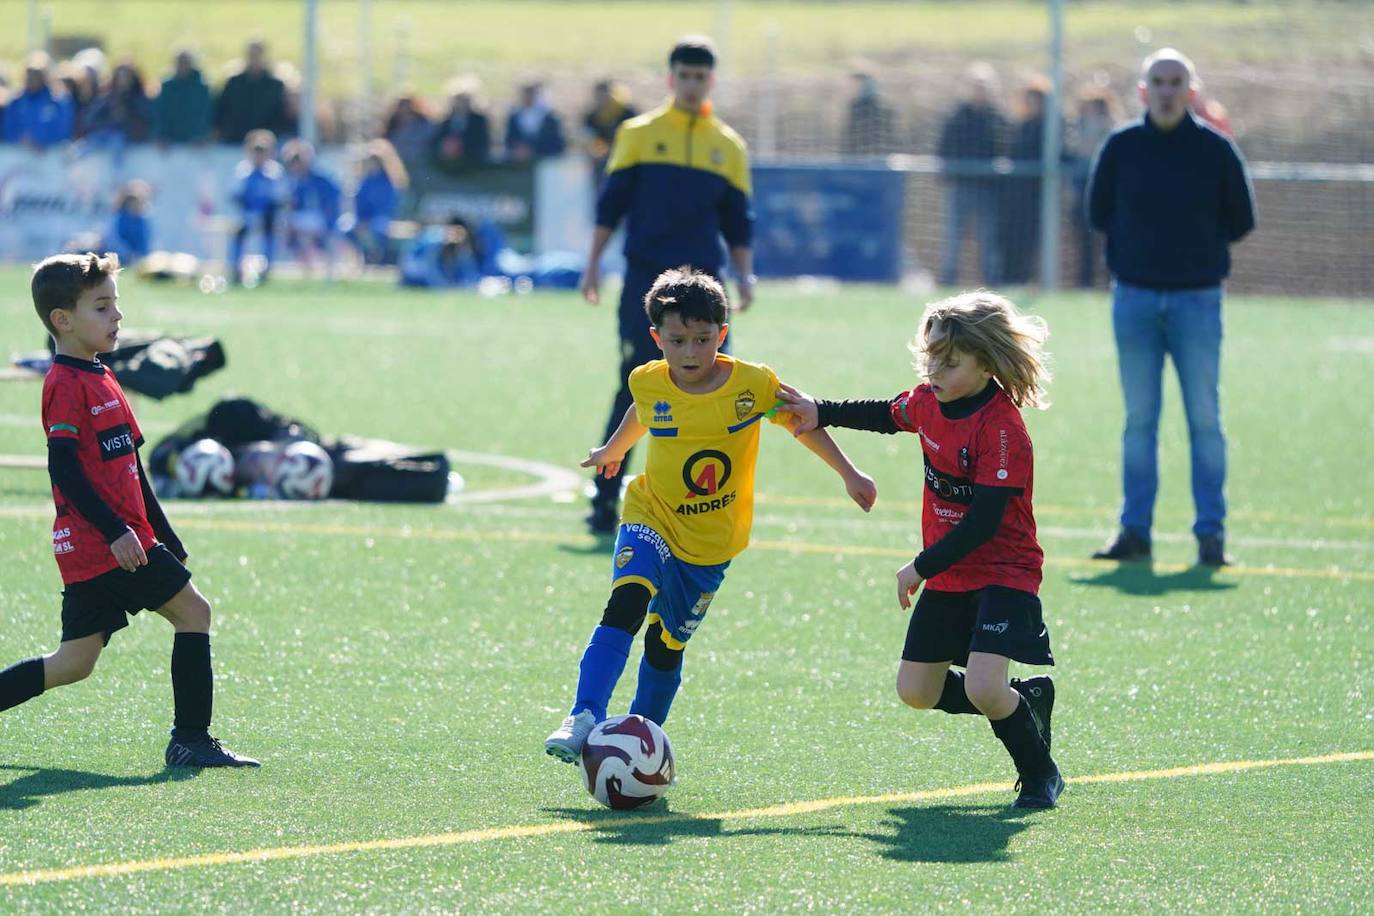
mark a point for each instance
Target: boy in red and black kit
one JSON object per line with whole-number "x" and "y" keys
{"x": 115, "y": 550}
{"x": 983, "y": 361}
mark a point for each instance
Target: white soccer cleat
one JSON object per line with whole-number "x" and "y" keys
{"x": 566, "y": 741}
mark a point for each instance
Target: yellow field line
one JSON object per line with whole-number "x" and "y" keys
{"x": 787, "y": 809}
{"x": 553, "y": 537}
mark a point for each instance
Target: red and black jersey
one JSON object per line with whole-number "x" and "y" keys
{"x": 83, "y": 402}
{"x": 989, "y": 447}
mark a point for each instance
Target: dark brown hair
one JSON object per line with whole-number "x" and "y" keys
{"x": 691, "y": 294}
{"x": 60, "y": 280}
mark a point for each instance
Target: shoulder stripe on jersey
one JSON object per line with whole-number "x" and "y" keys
{"x": 59, "y": 427}
{"x": 669, "y": 433}
{"x": 749, "y": 422}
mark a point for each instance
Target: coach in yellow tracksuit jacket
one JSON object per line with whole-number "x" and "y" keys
{"x": 679, "y": 177}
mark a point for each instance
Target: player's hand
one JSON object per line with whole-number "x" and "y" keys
{"x": 746, "y": 294}
{"x": 908, "y": 581}
{"x": 129, "y": 552}
{"x": 801, "y": 405}
{"x": 862, "y": 490}
{"x": 590, "y": 287}
{"x": 607, "y": 465}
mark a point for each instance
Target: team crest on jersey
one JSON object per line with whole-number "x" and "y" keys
{"x": 963, "y": 458}
{"x": 624, "y": 556}
{"x": 744, "y": 404}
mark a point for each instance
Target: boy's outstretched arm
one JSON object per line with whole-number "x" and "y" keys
{"x": 859, "y": 485}
{"x": 813, "y": 413}
{"x": 608, "y": 457}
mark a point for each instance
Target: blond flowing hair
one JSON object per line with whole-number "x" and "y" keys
{"x": 989, "y": 328}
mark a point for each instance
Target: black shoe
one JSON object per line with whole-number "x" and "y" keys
{"x": 203, "y": 750}
{"x": 1127, "y": 546}
{"x": 1039, "y": 694}
{"x": 1040, "y": 792}
{"x": 603, "y": 519}
{"x": 1211, "y": 551}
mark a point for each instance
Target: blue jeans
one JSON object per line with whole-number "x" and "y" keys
{"x": 1185, "y": 324}
{"x": 973, "y": 201}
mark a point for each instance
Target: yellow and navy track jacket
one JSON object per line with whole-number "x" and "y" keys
{"x": 681, "y": 181}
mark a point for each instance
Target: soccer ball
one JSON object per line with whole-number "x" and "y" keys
{"x": 627, "y": 762}
{"x": 303, "y": 472}
{"x": 255, "y": 463}
{"x": 205, "y": 468}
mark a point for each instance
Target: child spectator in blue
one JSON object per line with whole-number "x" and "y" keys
{"x": 260, "y": 189}
{"x": 983, "y": 361}
{"x": 131, "y": 231}
{"x": 375, "y": 202}
{"x": 314, "y": 207}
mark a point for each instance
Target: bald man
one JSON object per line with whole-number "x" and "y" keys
{"x": 1172, "y": 194}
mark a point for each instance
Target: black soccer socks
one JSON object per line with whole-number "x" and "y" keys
{"x": 193, "y": 684}
{"x": 953, "y": 698}
{"x": 21, "y": 682}
{"x": 1021, "y": 736}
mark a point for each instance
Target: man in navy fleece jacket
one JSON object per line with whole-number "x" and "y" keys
{"x": 1171, "y": 194}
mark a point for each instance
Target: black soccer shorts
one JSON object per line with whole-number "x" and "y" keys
{"x": 947, "y": 626}
{"x": 103, "y": 604}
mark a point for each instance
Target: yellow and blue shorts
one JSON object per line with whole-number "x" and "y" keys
{"x": 681, "y": 591}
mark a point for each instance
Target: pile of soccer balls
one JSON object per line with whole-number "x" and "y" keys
{"x": 263, "y": 470}
{"x": 627, "y": 762}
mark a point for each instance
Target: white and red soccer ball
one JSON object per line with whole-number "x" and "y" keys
{"x": 304, "y": 471}
{"x": 204, "y": 468}
{"x": 627, "y": 762}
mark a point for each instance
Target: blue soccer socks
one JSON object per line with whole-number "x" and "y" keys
{"x": 655, "y": 692}
{"x": 603, "y": 662}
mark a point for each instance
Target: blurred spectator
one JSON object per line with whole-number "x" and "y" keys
{"x": 1210, "y": 111}
{"x": 871, "y": 126}
{"x": 1021, "y": 193}
{"x": 464, "y": 135}
{"x": 259, "y": 190}
{"x": 375, "y": 201}
{"x": 442, "y": 256}
{"x": 122, "y": 114}
{"x": 971, "y": 138}
{"x": 131, "y": 231}
{"x": 409, "y": 126}
{"x": 1098, "y": 114}
{"x": 81, "y": 83}
{"x": 610, "y": 106}
{"x": 314, "y": 207}
{"x": 252, "y": 99}
{"x": 533, "y": 130}
{"x": 38, "y": 117}
{"x": 183, "y": 107}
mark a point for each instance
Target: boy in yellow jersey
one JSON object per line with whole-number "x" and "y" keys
{"x": 689, "y": 513}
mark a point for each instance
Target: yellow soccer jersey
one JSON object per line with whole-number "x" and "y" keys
{"x": 697, "y": 489}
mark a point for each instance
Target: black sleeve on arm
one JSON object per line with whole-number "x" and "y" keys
{"x": 64, "y": 469}
{"x": 162, "y": 529}
{"x": 978, "y": 526}
{"x": 873, "y": 416}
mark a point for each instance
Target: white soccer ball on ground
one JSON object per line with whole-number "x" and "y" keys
{"x": 204, "y": 468}
{"x": 303, "y": 472}
{"x": 627, "y": 762}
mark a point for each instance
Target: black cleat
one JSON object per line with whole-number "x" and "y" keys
{"x": 203, "y": 750}
{"x": 1211, "y": 551}
{"x": 1127, "y": 547}
{"x": 1040, "y": 792}
{"x": 603, "y": 519}
{"x": 1039, "y": 694}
